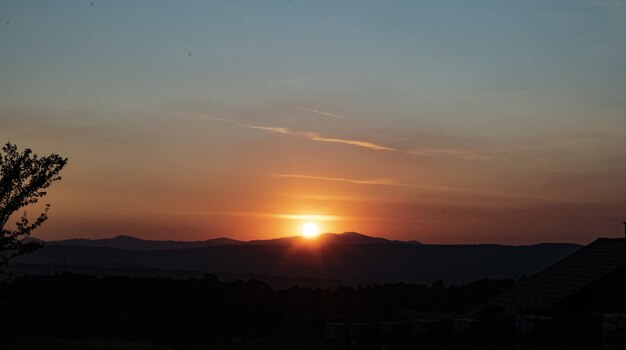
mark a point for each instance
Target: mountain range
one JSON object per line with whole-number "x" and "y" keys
{"x": 348, "y": 258}
{"x": 133, "y": 243}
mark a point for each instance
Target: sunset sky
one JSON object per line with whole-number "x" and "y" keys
{"x": 439, "y": 121}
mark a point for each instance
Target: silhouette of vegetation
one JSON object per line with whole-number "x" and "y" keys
{"x": 207, "y": 313}
{"x": 24, "y": 176}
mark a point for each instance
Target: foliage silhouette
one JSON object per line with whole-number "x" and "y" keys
{"x": 206, "y": 313}
{"x": 24, "y": 176}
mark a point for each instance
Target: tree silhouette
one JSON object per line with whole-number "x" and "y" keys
{"x": 23, "y": 180}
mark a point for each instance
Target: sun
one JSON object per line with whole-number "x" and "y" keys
{"x": 310, "y": 230}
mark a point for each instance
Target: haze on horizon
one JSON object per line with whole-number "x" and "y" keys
{"x": 439, "y": 121}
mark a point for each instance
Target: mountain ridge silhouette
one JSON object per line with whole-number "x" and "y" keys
{"x": 350, "y": 257}
{"x": 133, "y": 243}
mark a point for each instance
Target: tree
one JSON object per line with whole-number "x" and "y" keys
{"x": 23, "y": 179}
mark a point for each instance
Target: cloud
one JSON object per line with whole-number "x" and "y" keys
{"x": 277, "y": 130}
{"x": 317, "y": 137}
{"x": 313, "y": 136}
{"x": 336, "y": 197}
{"x": 322, "y": 113}
{"x": 386, "y": 182}
{"x": 316, "y": 217}
{"x": 395, "y": 183}
{"x": 467, "y": 154}
{"x": 300, "y": 217}
{"x": 461, "y": 153}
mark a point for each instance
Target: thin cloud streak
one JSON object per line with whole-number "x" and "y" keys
{"x": 322, "y": 113}
{"x": 277, "y": 130}
{"x": 300, "y": 217}
{"x": 317, "y": 137}
{"x": 316, "y": 217}
{"x": 335, "y": 197}
{"x": 386, "y": 182}
{"x": 391, "y": 182}
{"x": 458, "y": 153}
{"x": 313, "y": 136}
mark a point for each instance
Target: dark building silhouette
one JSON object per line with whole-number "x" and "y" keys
{"x": 577, "y": 303}
{"x": 589, "y": 282}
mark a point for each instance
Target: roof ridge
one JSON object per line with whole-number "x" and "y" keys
{"x": 561, "y": 279}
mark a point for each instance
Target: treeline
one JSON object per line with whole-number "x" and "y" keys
{"x": 205, "y": 312}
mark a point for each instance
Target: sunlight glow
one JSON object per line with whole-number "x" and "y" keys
{"x": 310, "y": 230}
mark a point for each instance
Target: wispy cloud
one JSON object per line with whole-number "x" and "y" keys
{"x": 467, "y": 154}
{"x": 461, "y": 153}
{"x": 277, "y": 130}
{"x": 313, "y": 136}
{"x": 299, "y": 217}
{"x": 386, "y": 182}
{"x": 395, "y": 183}
{"x": 317, "y": 137}
{"x": 322, "y": 113}
{"x": 334, "y": 197}
{"x": 312, "y": 217}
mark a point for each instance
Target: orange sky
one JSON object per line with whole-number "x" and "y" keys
{"x": 443, "y": 123}
{"x": 195, "y": 178}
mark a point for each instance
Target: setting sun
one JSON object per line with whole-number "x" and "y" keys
{"x": 310, "y": 230}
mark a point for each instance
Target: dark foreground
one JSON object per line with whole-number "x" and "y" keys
{"x": 72, "y": 311}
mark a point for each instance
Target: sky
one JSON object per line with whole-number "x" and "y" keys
{"x": 437, "y": 121}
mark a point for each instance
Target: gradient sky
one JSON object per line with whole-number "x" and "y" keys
{"x": 440, "y": 121}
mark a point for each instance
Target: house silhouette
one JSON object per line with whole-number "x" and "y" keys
{"x": 587, "y": 283}
{"x": 577, "y": 303}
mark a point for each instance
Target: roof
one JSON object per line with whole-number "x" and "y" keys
{"x": 560, "y": 280}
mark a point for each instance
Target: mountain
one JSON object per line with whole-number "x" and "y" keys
{"x": 132, "y": 243}
{"x": 349, "y": 257}
{"x": 328, "y": 238}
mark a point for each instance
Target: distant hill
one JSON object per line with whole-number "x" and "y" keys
{"x": 349, "y": 257}
{"x": 329, "y": 238}
{"x": 132, "y": 243}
